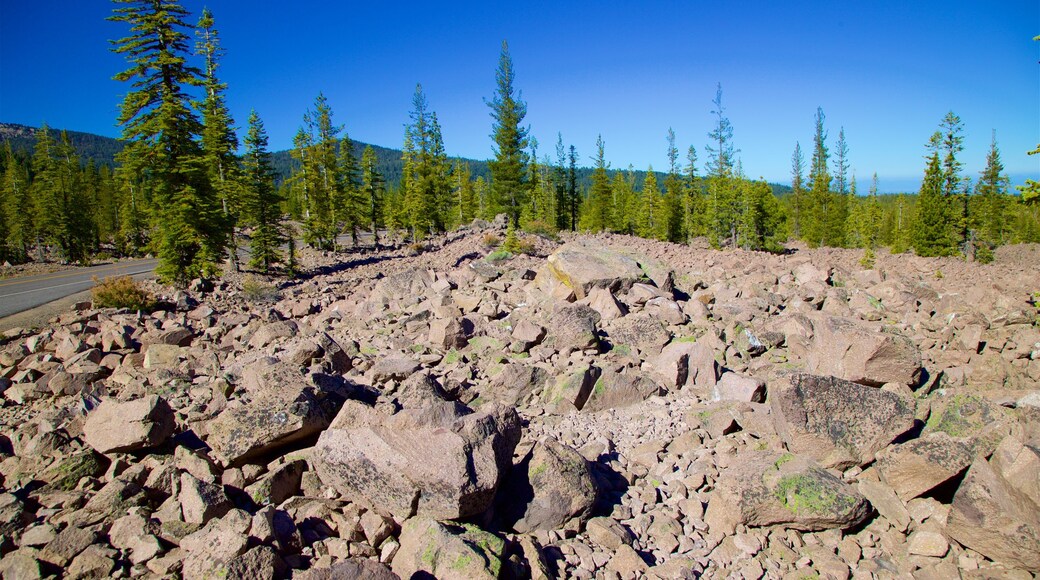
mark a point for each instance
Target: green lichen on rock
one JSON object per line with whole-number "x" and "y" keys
{"x": 805, "y": 494}
{"x": 960, "y": 417}
{"x": 783, "y": 459}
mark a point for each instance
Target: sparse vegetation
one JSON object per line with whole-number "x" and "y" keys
{"x": 121, "y": 292}
{"x": 256, "y": 289}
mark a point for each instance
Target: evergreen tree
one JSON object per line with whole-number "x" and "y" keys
{"x": 693, "y": 202}
{"x": 322, "y": 175}
{"x": 598, "y": 216}
{"x": 563, "y": 221}
{"x": 721, "y": 155}
{"x": 799, "y": 204}
{"x": 18, "y": 230}
{"x": 349, "y": 202}
{"x": 814, "y": 224}
{"x": 931, "y": 232}
{"x": 158, "y": 114}
{"x": 991, "y": 192}
{"x": 426, "y": 183}
{"x": 133, "y": 235}
{"x": 670, "y": 210}
{"x": 956, "y": 196}
{"x": 466, "y": 203}
{"x": 508, "y": 183}
{"x": 219, "y": 140}
{"x": 841, "y": 164}
{"x": 573, "y": 196}
{"x": 372, "y": 187}
{"x": 626, "y": 210}
{"x": 262, "y": 203}
{"x": 649, "y": 207}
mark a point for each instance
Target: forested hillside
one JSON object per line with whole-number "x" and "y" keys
{"x": 181, "y": 185}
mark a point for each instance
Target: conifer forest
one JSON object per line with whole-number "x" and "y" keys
{"x": 184, "y": 188}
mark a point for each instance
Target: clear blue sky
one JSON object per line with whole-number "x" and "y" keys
{"x": 885, "y": 71}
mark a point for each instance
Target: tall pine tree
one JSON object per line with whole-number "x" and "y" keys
{"x": 262, "y": 202}
{"x": 508, "y": 168}
{"x": 158, "y": 115}
{"x": 814, "y": 227}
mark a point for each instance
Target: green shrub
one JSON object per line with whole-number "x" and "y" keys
{"x": 983, "y": 254}
{"x": 542, "y": 229}
{"x": 868, "y": 259}
{"x": 255, "y": 289}
{"x": 499, "y": 256}
{"x": 121, "y": 292}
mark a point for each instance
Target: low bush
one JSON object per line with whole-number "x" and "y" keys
{"x": 256, "y": 289}
{"x": 121, "y": 292}
{"x": 499, "y": 256}
{"x": 490, "y": 240}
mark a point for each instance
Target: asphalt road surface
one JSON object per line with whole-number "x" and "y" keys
{"x": 18, "y": 294}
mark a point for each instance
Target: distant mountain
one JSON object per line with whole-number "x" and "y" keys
{"x": 102, "y": 151}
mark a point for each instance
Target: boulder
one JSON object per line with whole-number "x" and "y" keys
{"x": 442, "y": 461}
{"x": 571, "y": 391}
{"x": 765, "y": 488}
{"x": 393, "y": 368}
{"x": 573, "y": 327}
{"x": 547, "y": 488}
{"x": 431, "y": 549}
{"x": 517, "y": 381}
{"x": 996, "y": 520}
{"x": 584, "y": 266}
{"x": 847, "y": 349}
{"x": 735, "y": 387}
{"x": 614, "y": 390}
{"x": 836, "y": 422}
{"x": 117, "y": 427}
{"x": 448, "y": 333}
{"x": 970, "y": 418}
{"x": 687, "y": 365}
{"x": 602, "y": 301}
{"x": 287, "y": 408}
{"x": 201, "y": 501}
{"x": 640, "y": 330}
{"x": 919, "y": 465}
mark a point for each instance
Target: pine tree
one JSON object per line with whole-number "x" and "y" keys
{"x": 322, "y": 175}
{"x": 598, "y": 216}
{"x": 721, "y": 156}
{"x": 649, "y": 207}
{"x": 466, "y": 203}
{"x": 799, "y": 204}
{"x": 219, "y": 140}
{"x": 693, "y": 198}
{"x": 348, "y": 200}
{"x": 626, "y": 210}
{"x": 426, "y": 183}
{"x": 262, "y": 203}
{"x": 508, "y": 183}
{"x": 372, "y": 187}
{"x": 992, "y": 195}
{"x": 563, "y": 221}
{"x": 670, "y": 210}
{"x": 814, "y": 225}
{"x": 158, "y": 114}
{"x": 573, "y": 196}
{"x": 134, "y": 196}
{"x": 841, "y": 164}
{"x": 15, "y": 205}
{"x": 952, "y": 143}
{"x": 931, "y": 231}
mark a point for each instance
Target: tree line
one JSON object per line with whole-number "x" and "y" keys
{"x": 185, "y": 188}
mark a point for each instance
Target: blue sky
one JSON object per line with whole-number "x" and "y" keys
{"x": 885, "y": 71}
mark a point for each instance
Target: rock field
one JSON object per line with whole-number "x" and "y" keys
{"x": 607, "y": 407}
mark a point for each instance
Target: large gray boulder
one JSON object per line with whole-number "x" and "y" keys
{"x": 845, "y": 348}
{"x": 574, "y": 327}
{"x": 287, "y": 407}
{"x": 615, "y": 390}
{"x": 836, "y": 422}
{"x": 549, "y": 487}
{"x": 919, "y": 465}
{"x": 766, "y": 488}
{"x": 992, "y": 517}
{"x": 584, "y": 266}
{"x": 431, "y": 549}
{"x": 441, "y": 461}
{"x": 119, "y": 427}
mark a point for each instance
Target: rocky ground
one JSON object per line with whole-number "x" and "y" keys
{"x": 606, "y": 407}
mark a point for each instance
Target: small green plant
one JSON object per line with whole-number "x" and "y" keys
{"x": 938, "y": 275}
{"x": 512, "y": 243}
{"x": 868, "y": 259}
{"x": 984, "y": 254}
{"x": 499, "y": 256}
{"x": 1036, "y": 306}
{"x": 416, "y": 248}
{"x": 255, "y": 289}
{"x": 525, "y": 245}
{"x": 121, "y": 292}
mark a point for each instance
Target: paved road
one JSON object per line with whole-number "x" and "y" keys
{"x": 18, "y": 294}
